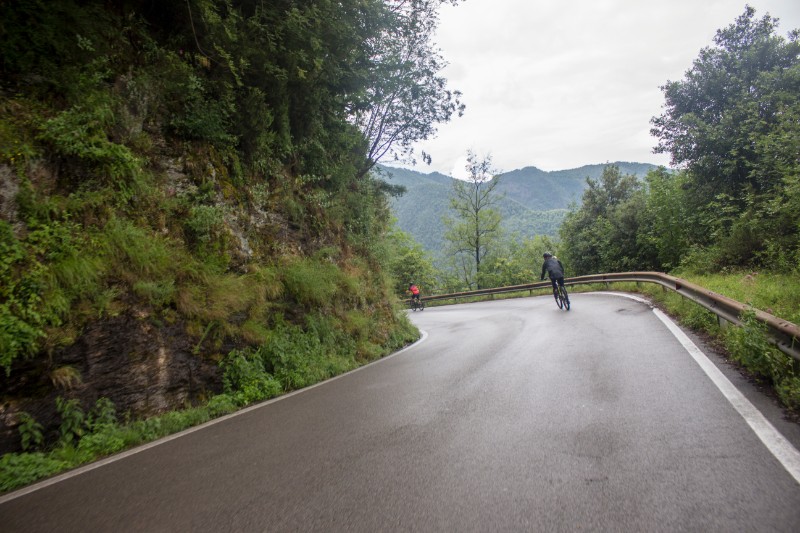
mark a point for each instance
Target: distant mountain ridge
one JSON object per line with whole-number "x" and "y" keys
{"x": 535, "y": 201}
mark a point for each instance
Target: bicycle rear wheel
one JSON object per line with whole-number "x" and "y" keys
{"x": 559, "y": 301}
{"x": 564, "y": 297}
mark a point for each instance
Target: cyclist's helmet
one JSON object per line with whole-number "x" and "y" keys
{"x": 547, "y": 254}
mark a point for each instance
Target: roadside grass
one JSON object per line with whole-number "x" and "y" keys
{"x": 292, "y": 358}
{"x": 776, "y": 294}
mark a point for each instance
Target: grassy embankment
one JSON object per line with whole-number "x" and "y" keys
{"x": 777, "y": 294}
{"x": 290, "y": 358}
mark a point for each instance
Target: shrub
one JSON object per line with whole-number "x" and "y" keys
{"x": 204, "y": 225}
{"x": 221, "y": 404}
{"x": 72, "y": 419}
{"x": 102, "y": 415}
{"x": 79, "y": 132}
{"x": 30, "y": 432}
{"x": 42, "y": 274}
{"x": 18, "y": 469}
{"x": 106, "y": 441}
{"x": 748, "y": 345}
{"x": 246, "y": 380}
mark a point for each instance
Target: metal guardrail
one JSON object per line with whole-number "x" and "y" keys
{"x": 783, "y": 334}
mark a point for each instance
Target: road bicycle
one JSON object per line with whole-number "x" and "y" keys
{"x": 562, "y": 299}
{"x": 417, "y": 304}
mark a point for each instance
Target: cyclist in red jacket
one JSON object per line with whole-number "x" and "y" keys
{"x": 414, "y": 291}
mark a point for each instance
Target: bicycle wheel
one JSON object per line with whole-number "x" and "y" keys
{"x": 564, "y": 297}
{"x": 559, "y": 301}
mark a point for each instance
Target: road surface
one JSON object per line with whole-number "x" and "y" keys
{"x": 509, "y": 416}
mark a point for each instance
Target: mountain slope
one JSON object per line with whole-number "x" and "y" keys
{"x": 534, "y": 201}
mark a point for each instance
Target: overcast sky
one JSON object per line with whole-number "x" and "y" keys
{"x": 558, "y": 84}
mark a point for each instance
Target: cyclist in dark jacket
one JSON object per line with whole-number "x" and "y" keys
{"x": 554, "y": 268}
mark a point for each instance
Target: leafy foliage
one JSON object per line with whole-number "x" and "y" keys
{"x": 30, "y": 432}
{"x": 474, "y": 226}
{"x": 531, "y": 201}
{"x": 20, "y": 469}
{"x": 602, "y": 235}
{"x": 410, "y": 97}
{"x": 732, "y": 123}
{"x": 410, "y": 263}
{"x": 735, "y": 203}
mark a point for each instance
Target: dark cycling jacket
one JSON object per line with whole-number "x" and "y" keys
{"x": 554, "y": 267}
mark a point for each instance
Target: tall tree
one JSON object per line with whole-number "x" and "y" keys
{"x": 407, "y": 96}
{"x": 735, "y": 94}
{"x": 601, "y": 236}
{"x": 732, "y": 122}
{"x": 475, "y": 225}
{"x": 666, "y": 219}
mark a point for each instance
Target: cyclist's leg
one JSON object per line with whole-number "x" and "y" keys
{"x": 555, "y": 288}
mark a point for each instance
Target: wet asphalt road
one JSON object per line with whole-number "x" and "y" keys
{"x": 509, "y": 416}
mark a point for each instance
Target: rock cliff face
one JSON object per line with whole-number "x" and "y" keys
{"x": 144, "y": 365}
{"x": 144, "y": 368}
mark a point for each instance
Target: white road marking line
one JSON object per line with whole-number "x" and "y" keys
{"x": 776, "y": 443}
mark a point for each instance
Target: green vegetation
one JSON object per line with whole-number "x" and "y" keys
{"x": 531, "y": 201}
{"x": 186, "y": 194}
{"x": 747, "y": 345}
{"x": 473, "y": 222}
{"x": 732, "y": 126}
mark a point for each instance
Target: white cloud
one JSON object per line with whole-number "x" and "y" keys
{"x": 559, "y": 84}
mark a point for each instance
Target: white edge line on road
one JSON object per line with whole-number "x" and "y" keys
{"x": 776, "y": 443}
{"x": 133, "y": 451}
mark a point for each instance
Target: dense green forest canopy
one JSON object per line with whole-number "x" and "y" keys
{"x": 531, "y": 201}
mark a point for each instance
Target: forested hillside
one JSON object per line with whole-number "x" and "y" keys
{"x": 534, "y": 201}
{"x": 187, "y": 213}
